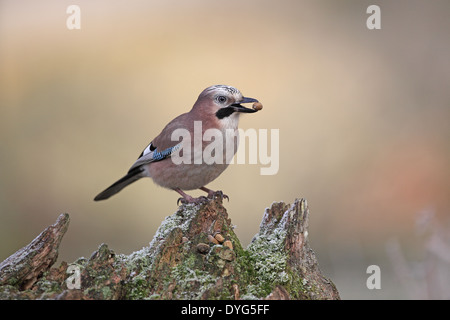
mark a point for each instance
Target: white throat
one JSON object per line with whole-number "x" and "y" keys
{"x": 230, "y": 122}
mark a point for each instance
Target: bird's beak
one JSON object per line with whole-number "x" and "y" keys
{"x": 239, "y": 108}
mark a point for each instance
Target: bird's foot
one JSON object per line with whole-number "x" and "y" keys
{"x": 188, "y": 199}
{"x": 215, "y": 194}
{"x": 185, "y": 199}
{"x": 218, "y": 194}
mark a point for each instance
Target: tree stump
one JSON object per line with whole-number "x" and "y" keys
{"x": 195, "y": 254}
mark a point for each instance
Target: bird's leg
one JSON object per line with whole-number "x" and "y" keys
{"x": 212, "y": 193}
{"x": 187, "y": 198}
{"x": 209, "y": 192}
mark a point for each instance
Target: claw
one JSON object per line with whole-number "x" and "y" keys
{"x": 200, "y": 199}
{"x": 213, "y": 194}
{"x": 220, "y": 194}
{"x": 190, "y": 199}
{"x": 182, "y": 200}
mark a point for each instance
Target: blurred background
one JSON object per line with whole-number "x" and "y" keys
{"x": 363, "y": 118}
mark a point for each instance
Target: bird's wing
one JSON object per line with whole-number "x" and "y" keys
{"x": 152, "y": 154}
{"x": 162, "y": 146}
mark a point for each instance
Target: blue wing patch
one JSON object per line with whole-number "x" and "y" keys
{"x": 151, "y": 154}
{"x": 165, "y": 153}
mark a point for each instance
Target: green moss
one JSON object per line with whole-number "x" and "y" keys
{"x": 82, "y": 261}
{"x": 190, "y": 278}
{"x": 138, "y": 266}
{"x": 136, "y": 262}
{"x": 7, "y": 291}
{"x": 297, "y": 286}
{"x": 138, "y": 288}
{"x": 268, "y": 259}
{"x": 13, "y": 281}
{"x": 107, "y": 293}
{"x": 191, "y": 283}
{"x": 47, "y": 286}
{"x": 172, "y": 267}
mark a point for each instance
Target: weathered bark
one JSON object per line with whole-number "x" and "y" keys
{"x": 195, "y": 254}
{"x": 24, "y": 267}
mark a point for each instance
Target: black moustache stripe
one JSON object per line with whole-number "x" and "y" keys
{"x": 225, "y": 112}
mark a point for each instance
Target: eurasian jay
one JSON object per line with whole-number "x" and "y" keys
{"x": 218, "y": 108}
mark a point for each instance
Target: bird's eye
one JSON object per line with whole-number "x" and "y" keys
{"x": 221, "y": 99}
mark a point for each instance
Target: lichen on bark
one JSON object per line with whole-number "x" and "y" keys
{"x": 195, "y": 254}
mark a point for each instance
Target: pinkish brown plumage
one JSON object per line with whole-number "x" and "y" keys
{"x": 166, "y": 160}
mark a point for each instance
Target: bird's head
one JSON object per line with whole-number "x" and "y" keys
{"x": 224, "y": 101}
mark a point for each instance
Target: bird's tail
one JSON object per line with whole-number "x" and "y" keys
{"x": 131, "y": 177}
